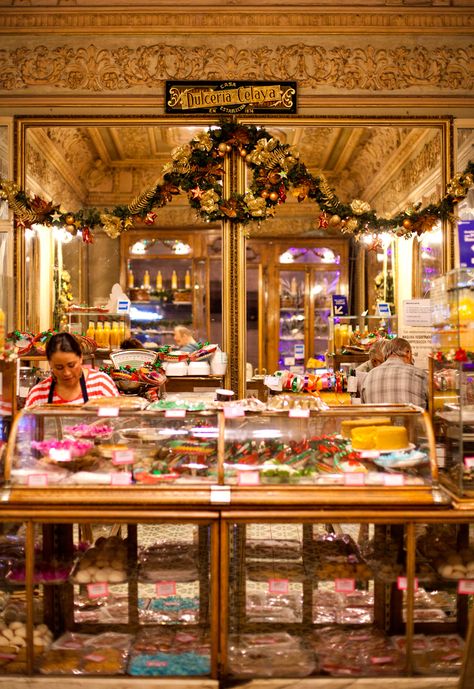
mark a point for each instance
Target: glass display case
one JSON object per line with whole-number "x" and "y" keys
{"x": 276, "y": 540}
{"x": 304, "y": 454}
{"x": 452, "y": 380}
{"x": 343, "y": 451}
{"x": 343, "y": 598}
{"x": 96, "y": 599}
{"x": 119, "y": 446}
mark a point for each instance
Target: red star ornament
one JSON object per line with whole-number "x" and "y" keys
{"x": 323, "y": 220}
{"x": 196, "y": 193}
{"x": 150, "y": 218}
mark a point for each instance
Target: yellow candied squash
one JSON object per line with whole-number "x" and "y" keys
{"x": 379, "y": 438}
{"x": 391, "y": 438}
{"x": 363, "y": 438}
{"x": 348, "y": 424}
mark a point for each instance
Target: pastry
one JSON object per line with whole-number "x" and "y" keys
{"x": 60, "y": 661}
{"x": 348, "y": 424}
{"x": 379, "y": 438}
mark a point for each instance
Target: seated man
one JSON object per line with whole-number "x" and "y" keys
{"x": 376, "y": 356}
{"x": 397, "y": 380}
{"x": 184, "y": 339}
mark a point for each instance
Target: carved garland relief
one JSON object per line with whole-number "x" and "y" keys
{"x": 340, "y": 68}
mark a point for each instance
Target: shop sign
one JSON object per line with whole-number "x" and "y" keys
{"x": 466, "y": 243}
{"x": 231, "y": 97}
{"x": 383, "y": 309}
{"x": 339, "y": 305}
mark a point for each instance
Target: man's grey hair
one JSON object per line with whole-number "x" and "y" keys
{"x": 377, "y": 351}
{"x": 398, "y": 346}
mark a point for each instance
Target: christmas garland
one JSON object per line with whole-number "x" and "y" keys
{"x": 196, "y": 169}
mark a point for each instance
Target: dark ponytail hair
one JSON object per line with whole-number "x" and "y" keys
{"x": 63, "y": 342}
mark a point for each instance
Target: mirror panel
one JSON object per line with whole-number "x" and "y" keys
{"x": 390, "y": 163}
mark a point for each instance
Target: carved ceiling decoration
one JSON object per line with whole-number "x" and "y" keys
{"x": 30, "y": 16}
{"x": 104, "y": 166}
{"x": 343, "y": 68}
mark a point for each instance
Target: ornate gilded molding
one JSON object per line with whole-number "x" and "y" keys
{"x": 444, "y": 69}
{"x": 252, "y": 20}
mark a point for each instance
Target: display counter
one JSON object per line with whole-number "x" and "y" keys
{"x": 223, "y": 454}
{"x": 208, "y": 561}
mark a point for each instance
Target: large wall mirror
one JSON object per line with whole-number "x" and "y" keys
{"x": 293, "y": 264}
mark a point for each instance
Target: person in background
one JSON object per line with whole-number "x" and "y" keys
{"x": 69, "y": 382}
{"x": 376, "y": 356}
{"x": 397, "y": 380}
{"x": 131, "y": 343}
{"x": 184, "y": 339}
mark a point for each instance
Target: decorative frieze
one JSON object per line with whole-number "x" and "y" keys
{"x": 340, "y": 69}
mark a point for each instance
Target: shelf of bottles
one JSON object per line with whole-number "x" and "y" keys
{"x": 107, "y": 329}
{"x": 358, "y": 331}
{"x": 159, "y": 301}
{"x": 291, "y": 349}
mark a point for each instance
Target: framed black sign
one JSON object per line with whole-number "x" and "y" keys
{"x": 231, "y": 97}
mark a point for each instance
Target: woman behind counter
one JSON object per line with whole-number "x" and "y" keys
{"x": 69, "y": 382}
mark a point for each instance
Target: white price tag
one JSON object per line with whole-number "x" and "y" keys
{"x": 466, "y": 586}
{"x": 352, "y": 384}
{"x": 175, "y": 413}
{"x": 355, "y": 478}
{"x": 123, "y": 457}
{"x": 344, "y": 585}
{"x": 299, "y": 413}
{"x": 220, "y": 494}
{"x": 279, "y": 586}
{"x": 273, "y": 382}
{"x": 95, "y": 658}
{"x": 23, "y": 392}
{"x": 233, "y": 411}
{"x": 402, "y": 583}
{"x": 248, "y": 478}
{"x": 394, "y": 480}
{"x": 98, "y": 590}
{"x": 289, "y": 360}
{"x": 38, "y": 480}
{"x": 122, "y": 478}
{"x": 108, "y": 411}
{"x": 165, "y": 588}
{"x": 60, "y": 454}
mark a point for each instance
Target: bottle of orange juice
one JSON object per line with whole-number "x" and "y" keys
{"x": 91, "y": 330}
{"x": 99, "y": 334}
{"x": 106, "y": 335}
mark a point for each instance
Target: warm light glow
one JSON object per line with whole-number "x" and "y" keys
{"x": 61, "y": 235}
{"x": 181, "y": 248}
{"x": 386, "y": 239}
{"x": 138, "y": 248}
{"x": 317, "y": 289}
{"x": 328, "y": 256}
{"x": 433, "y": 238}
{"x": 369, "y": 238}
{"x": 286, "y": 257}
{"x": 267, "y": 433}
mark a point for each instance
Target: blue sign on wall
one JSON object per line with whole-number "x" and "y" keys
{"x": 339, "y": 305}
{"x": 466, "y": 243}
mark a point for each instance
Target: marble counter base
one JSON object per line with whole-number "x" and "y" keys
{"x": 372, "y": 683}
{"x": 104, "y": 683}
{"x": 163, "y": 683}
